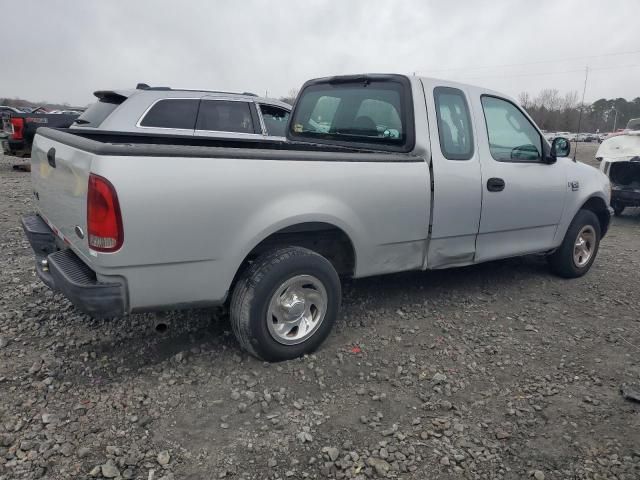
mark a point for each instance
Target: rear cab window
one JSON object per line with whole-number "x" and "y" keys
{"x": 174, "y": 113}
{"x": 373, "y": 111}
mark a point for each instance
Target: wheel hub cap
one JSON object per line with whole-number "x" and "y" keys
{"x": 296, "y": 309}
{"x": 292, "y": 307}
{"x": 584, "y": 246}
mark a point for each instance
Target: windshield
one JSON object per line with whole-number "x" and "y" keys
{"x": 360, "y": 112}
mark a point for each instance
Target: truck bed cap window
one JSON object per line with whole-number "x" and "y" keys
{"x": 370, "y": 112}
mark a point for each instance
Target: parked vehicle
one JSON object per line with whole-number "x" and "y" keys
{"x": 20, "y": 128}
{"x": 380, "y": 174}
{"x": 201, "y": 113}
{"x": 4, "y": 109}
{"x": 67, "y": 112}
{"x": 619, "y": 158}
{"x": 585, "y": 137}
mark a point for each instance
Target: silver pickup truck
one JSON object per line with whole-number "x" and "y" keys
{"x": 379, "y": 174}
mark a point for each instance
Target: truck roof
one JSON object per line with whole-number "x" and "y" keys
{"x": 427, "y": 80}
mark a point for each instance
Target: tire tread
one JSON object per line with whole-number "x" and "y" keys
{"x": 244, "y": 291}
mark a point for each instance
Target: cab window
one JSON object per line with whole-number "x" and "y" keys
{"x": 368, "y": 111}
{"x": 454, "y": 123}
{"x": 512, "y": 137}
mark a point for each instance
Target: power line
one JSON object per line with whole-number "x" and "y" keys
{"x": 506, "y": 65}
{"x": 561, "y": 72}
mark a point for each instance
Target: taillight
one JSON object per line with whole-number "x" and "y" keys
{"x": 104, "y": 221}
{"x": 17, "y": 127}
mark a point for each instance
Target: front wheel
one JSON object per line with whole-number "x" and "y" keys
{"x": 285, "y": 304}
{"x": 579, "y": 248}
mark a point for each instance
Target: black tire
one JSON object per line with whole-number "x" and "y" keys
{"x": 562, "y": 260}
{"x": 257, "y": 285}
{"x": 617, "y": 209}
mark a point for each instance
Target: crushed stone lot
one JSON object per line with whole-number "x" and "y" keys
{"x": 497, "y": 371}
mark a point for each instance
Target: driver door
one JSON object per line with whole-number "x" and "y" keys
{"x": 522, "y": 196}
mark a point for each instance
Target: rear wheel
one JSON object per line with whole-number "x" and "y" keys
{"x": 285, "y": 304}
{"x": 579, "y": 248}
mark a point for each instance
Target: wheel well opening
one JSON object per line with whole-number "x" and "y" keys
{"x": 323, "y": 238}
{"x": 599, "y": 207}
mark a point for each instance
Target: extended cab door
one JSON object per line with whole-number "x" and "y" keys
{"x": 522, "y": 196}
{"x": 455, "y": 164}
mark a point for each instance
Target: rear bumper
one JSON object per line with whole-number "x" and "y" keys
{"x": 628, "y": 198}
{"x": 64, "y": 271}
{"x": 15, "y": 147}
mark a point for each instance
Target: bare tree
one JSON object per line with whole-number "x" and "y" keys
{"x": 291, "y": 96}
{"x": 524, "y": 99}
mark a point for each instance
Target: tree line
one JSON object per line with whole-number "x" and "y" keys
{"x": 561, "y": 113}
{"x": 19, "y": 102}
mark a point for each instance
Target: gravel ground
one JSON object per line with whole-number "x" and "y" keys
{"x": 494, "y": 371}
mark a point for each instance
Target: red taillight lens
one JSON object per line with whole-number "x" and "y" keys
{"x": 104, "y": 221}
{"x": 17, "y": 127}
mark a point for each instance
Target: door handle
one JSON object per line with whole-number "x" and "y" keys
{"x": 495, "y": 184}
{"x": 51, "y": 157}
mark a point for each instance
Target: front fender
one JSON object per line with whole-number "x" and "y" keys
{"x": 593, "y": 192}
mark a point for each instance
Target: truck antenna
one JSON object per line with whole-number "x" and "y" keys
{"x": 584, "y": 90}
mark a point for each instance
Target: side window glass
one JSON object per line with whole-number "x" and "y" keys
{"x": 225, "y": 116}
{"x": 172, "y": 113}
{"x": 512, "y": 137}
{"x": 454, "y": 123}
{"x": 275, "y": 120}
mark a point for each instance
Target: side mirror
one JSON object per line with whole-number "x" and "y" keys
{"x": 560, "y": 147}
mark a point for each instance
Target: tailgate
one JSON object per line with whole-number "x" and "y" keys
{"x": 60, "y": 175}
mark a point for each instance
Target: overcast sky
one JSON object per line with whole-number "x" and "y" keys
{"x": 61, "y": 51}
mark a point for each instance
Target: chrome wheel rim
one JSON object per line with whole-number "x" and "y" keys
{"x": 296, "y": 309}
{"x": 584, "y": 246}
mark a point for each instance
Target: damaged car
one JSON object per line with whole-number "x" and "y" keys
{"x": 619, "y": 158}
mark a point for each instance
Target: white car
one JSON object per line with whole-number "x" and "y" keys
{"x": 619, "y": 158}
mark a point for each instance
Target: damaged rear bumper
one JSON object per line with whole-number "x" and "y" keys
{"x": 62, "y": 270}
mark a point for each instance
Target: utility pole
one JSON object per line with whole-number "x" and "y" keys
{"x": 584, "y": 90}
{"x": 615, "y": 119}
